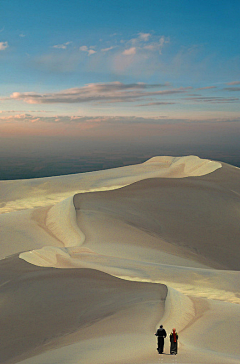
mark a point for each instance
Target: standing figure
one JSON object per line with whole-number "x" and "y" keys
{"x": 161, "y": 334}
{"x": 174, "y": 342}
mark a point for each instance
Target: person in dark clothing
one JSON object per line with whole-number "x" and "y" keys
{"x": 161, "y": 334}
{"x": 174, "y": 342}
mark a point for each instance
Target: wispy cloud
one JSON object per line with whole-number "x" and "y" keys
{"x": 3, "y": 46}
{"x": 232, "y": 88}
{"x": 157, "y": 103}
{"x": 213, "y": 100}
{"x": 206, "y": 88}
{"x": 107, "y": 49}
{"x": 139, "y": 55}
{"x": 144, "y": 36}
{"x": 233, "y": 83}
{"x": 129, "y": 52}
{"x": 102, "y": 92}
{"x": 145, "y": 42}
{"x": 62, "y": 46}
{"x": 28, "y": 118}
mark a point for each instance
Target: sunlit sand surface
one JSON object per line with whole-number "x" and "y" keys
{"x": 92, "y": 263}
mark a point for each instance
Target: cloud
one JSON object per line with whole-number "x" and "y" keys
{"x": 157, "y": 103}
{"x": 129, "y": 52}
{"x": 144, "y": 36}
{"x": 62, "y": 46}
{"x": 22, "y": 35}
{"x": 107, "y": 49}
{"x": 232, "y": 88}
{"x": 3, "y": 46}
{"x": 88, "y": 50}
{"x": 206, "y": 88}
{"x": 25, "y": 112}
{"x": 93, "y": 121}
{"x": 233, "y": 83}
{"x": 140, "y": 55}
{"x": 91, "y": 51}
{"x": 142, "y": 43}
{"x": 213, "y": 100}
{"x": 98, "y": 92}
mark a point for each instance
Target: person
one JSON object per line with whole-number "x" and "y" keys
{"x": 174, "y": 342}
{"x": 161, "y": 334}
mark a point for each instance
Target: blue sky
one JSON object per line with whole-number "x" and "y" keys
{"x": 93, "y": 62}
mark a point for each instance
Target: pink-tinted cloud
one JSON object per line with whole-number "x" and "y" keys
{"x": 105, "y": 92}
{"x": 233, "y": 83}
{"x": 129, "y": 52}
{"x": 157, "y": 103}
{"x": 206, "y": 88}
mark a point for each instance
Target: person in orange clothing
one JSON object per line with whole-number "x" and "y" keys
{"x": 174, "y": 342}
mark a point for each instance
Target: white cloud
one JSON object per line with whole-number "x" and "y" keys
{"x": 3, "y": 46}
{"x": 144, "y": 36}
{"x": 62, "y": 46}
{"x": 130, "y": 51}
{"x": 91, "y": 51}
{"x": 88, "y": 50}
{"x": 83, "y": 48}
{"x": 107, "y": 49}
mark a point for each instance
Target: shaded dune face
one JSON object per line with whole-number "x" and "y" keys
{"x": 39, "y": 306}
{"x": 200, "y": 215}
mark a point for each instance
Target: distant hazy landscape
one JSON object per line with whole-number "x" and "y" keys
{"x": 79, "y": 157}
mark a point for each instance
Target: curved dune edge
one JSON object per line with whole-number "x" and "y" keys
{"x": 179, "y": 310}
{"x": 39, "y": 192}
{"x": 61, "y": 218}
{"x": 61, "y": 221}
{"x": 220, "y": 285}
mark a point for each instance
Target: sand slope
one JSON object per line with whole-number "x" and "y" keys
{"x": 101, "y": 266}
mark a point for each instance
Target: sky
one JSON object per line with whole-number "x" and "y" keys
{"x": 162, "y": 73}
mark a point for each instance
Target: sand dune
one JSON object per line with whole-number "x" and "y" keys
{"x": 107, "y": 256}
{"x": 38, "y": 192}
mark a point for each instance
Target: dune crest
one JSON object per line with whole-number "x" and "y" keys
{"x": 179, "y": 167}
{"x": 40, "y": 192}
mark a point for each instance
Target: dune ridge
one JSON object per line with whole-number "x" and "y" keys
{"x": 39, "y": 192}
{"x": 180, "y": 167}
{"x": 61, "y": 220}
{"x": 116, "y": 254}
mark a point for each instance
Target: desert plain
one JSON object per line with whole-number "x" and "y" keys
{"x": 92, "y": 263}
